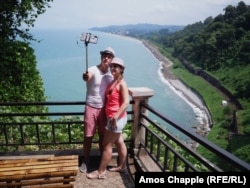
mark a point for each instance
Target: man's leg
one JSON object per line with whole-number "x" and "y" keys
{"x": 86, "y": 152}
{"x": 89, "y": 131}
{"x": 101, "y": 124}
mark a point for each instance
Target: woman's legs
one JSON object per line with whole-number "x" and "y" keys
{"x": 109, "y": 139}
{"x": 122, "y": 152}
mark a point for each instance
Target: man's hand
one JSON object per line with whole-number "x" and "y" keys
{"x": 85, "y": 76}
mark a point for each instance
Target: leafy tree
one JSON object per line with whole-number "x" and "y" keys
{"x": 219, "y": 18}
{"x": 208, "y": 20}
{"x": 244, "y": 55}
{"x": 19, "y": 78}
{"x": 230, "y": 13}
{"x": 241, "y": 8}
{"x": 17, "y": 16}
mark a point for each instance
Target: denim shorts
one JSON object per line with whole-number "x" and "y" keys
{"x": 121, "y": 122}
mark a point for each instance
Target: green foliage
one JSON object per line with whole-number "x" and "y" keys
{"x": 170, "y": 155}
{"x": 45, "y": 133}
{"x": 126, "y": 133}
{"x": 240, "y": 147}
{"x": 17, "y": 17}
{"x": 236, "y": 78}
{"x": 220, "y": 46}
{"x": 243, "y": 121}
{"x": 19, "y": 78}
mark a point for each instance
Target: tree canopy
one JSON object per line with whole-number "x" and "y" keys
{"x": 220, "y": 45}
{"x": 19, "y": 78}
{"x": 18, "y": 16}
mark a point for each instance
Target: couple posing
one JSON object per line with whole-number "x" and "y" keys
{"x": 107, "y": 99}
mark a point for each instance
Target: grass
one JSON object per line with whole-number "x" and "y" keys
{"x": 211, "y": 97}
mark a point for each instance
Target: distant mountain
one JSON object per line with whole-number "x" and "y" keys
{"x": 135, "y": 29}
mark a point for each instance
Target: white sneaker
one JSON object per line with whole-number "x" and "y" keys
{"x": 84, "y": 167}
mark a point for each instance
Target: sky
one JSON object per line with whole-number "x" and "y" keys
{"x": 101, "y": 13}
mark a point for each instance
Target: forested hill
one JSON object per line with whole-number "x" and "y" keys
{"x": 219, "y": 45}
{"x": 138, "y": 29}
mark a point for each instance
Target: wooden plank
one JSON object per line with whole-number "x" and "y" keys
{"x": 39, "y": 182}
{"x": 40, "y": 175}
{"x": 71, "y": 185}
{"x": 56, "y": 185}
{"x": 17, "y": 157}
{"x": 38, "y": 165}
{"x": 12, "y": 165}
{"x": 39, "y": 171}
{"x": 38, "y": 168}
{"x": 59, "y": 170}
{"x": 28, "y": 159}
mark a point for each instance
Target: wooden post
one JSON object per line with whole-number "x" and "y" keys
{"x": 138, "y": 95}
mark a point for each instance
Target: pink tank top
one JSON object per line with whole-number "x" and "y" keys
{"x": 113, "y": 101}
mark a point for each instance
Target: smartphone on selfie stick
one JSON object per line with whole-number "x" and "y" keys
{"x": 88, "y": 38}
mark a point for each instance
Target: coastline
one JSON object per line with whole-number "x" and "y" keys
{"x": 200, "y": 109}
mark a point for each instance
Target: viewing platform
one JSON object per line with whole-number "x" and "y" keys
{"x": 151, "y": 147}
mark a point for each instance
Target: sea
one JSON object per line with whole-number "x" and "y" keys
{"x": 62, "y": 58}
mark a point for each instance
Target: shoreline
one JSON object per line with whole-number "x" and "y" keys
{"x": 200, "y": 109}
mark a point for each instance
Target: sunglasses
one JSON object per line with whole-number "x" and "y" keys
{"x": 109, "y": 56}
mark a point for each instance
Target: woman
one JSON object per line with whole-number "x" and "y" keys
{"x": 117, "y": 101}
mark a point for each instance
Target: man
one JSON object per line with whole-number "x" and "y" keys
{"x": 97, "y": 78}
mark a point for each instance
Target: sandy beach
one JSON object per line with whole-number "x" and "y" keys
{"x": 202, "y": 113}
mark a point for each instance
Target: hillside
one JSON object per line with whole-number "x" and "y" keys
{"x": 138, "y": 29}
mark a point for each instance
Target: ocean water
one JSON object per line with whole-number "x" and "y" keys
{"x": 61, "y": 58}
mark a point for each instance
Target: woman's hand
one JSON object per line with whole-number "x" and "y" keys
{"x": 113, "y": 124}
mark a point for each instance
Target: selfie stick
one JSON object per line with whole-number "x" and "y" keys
{"x": 86, "y": 45}
{"x": 88, "y": 38}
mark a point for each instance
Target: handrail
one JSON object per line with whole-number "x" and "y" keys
{"x": 49, "y": 103}
{"x": 37, "y": 122}
{"x": 225, "y": 155}
{"x": 13, "y": 133}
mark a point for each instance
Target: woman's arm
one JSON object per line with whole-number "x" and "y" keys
{"x": 125, "y": 98}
